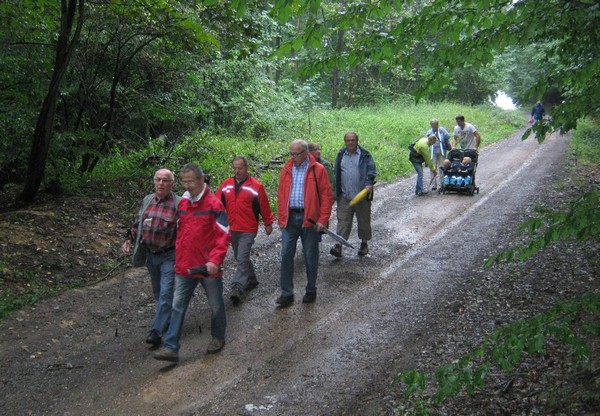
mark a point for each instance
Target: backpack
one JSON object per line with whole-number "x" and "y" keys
{"x": 414, "y": 156}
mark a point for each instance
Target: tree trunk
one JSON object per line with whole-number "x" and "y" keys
{"x": 45, "y": 122}
{"x": 335, "y": 79}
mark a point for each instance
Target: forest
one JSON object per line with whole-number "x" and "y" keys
{"x": 95, "y": 95}
{"x": 85, "y": 84}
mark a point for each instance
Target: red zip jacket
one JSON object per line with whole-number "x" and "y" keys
{"x": 202, "y": 233}
{"x": 318, "y": 198}
{"x": 243, "y": 209}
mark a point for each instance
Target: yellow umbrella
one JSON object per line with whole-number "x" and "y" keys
{"x": 359, "y": 197}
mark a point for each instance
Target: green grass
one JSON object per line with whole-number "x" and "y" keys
{"x": 585, "y": 144}
{"x": 385, "y": 130}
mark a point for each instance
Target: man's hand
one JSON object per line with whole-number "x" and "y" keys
{"x": 268, "y": 229}
{"x": 126, "y": 248}
{"x": 211, "y": 268}
{"x": 320, "y": 227}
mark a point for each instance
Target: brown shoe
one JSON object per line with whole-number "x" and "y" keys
{"x": 363, "y": 250}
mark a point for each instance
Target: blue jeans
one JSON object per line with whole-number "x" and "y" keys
{"x": 310, "y": 245}
{"x": 184, "y": 288}
{"x": 242, "y": 244}
{"x": 419, "y": 169}
{"x": 162, "y": 275}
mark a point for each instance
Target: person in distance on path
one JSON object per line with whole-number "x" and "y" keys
{"x": 466, "y": 135}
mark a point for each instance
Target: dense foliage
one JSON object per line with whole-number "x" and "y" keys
{"x": 461, "y": 36}
{"x": 83, "y": 79}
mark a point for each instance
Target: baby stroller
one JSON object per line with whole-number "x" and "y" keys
{"x": 460, "y": 178}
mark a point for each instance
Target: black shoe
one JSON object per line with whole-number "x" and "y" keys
{"x": 309, "y": 297}
{"x": 363, "y": 250}
{"x": 153, "y": 338}
{"x": 215, "y": 345}
{"x": 285, "y": 301}
{"x": 236, "y": 296}
{"x": 252, "y": 283}
{"x": 165, "y": 354}
{"x": 336, "y": 251}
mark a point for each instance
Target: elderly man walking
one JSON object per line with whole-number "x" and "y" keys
{"x": 155, "y": 229}
{"x": 304, "y": 207}
{"x": 439, "y": 149}
{"x": 354, "y": 171}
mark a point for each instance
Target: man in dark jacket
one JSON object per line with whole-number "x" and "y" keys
{"x": 354, "y": 172}
{"x": 538, "y": 111}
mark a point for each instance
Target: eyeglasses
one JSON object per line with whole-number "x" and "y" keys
{"x": 190, "y": 182}
{"x": 292, "y": 154}
{"x": 162, "y": 180}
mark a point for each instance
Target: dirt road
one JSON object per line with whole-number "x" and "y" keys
{"x": 83, "y": 353}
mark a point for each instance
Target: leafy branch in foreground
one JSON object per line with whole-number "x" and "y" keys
{"x": 581, "y": 222}
{"x": 506, "y": 347}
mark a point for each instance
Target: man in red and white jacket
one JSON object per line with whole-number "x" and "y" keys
{"x": 202, "y": 240}
{"x": 245, "y": 201}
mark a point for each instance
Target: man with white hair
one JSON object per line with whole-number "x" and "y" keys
{"x": 155, "y": 228}
{"x": 439, "y": 149}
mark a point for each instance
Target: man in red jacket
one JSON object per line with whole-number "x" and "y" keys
{"x": 245, "y": 200}
{"x": 202, "y": 240}
{"x": 304, "y": 207}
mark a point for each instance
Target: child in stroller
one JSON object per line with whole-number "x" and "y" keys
{"x": 459, "y": 172}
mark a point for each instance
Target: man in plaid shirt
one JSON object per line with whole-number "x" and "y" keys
{"x": 157, "y": 221}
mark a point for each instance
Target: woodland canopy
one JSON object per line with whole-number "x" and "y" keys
{"x": 81, "y": 79}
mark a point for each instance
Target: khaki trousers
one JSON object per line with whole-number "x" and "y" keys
{"x": 345, "y": 216}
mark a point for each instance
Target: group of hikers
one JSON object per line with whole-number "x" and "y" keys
{"x": 183, "y": 241}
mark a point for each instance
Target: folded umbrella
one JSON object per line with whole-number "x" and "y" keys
{"x": 359, "y": 197}
{"x": 333, "y": 235}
